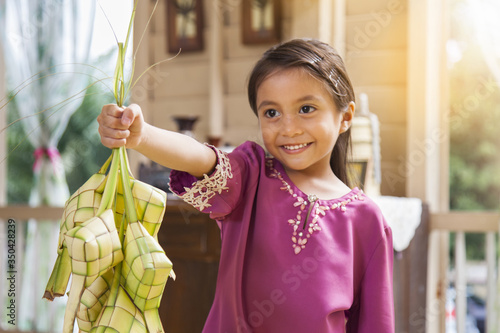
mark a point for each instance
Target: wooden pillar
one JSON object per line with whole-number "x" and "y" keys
{"x": 143, "y": 93}
{"x": 3, "y": 181}
{"x": 410, "y": 275}
{"x": 426, "y": 137}
{"x": 491, "y": 298}
{"x": 325, "y": 27}
{"x": 3, "y": 134}
{"x": 496, "y": 318}
{"x": 339, "y": 27}
{"x": 460, "y": 281}
{"x": 427, "y": 151}
{"x": 216, "y": 110}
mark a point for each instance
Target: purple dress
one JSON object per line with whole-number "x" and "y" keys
{"x": 291, "y": 262}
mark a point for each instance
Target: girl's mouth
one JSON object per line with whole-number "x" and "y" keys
{"x": 296, "y": 147}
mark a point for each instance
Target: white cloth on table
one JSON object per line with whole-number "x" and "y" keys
{"x": 403, "y": 216}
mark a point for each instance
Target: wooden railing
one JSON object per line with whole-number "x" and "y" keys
{"x": 23, "y": 213}
{"x": 461, "y": 223}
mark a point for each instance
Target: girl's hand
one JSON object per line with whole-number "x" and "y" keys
{"x": 121, "y": 126}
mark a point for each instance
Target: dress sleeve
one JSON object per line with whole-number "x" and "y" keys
{"x": 374, "y": 312}
{"x": 219, "y": 193}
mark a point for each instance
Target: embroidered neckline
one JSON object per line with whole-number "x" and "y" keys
{"x": 304, "y": 229}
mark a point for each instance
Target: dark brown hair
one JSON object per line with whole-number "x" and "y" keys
{"x": 325, "y": 64}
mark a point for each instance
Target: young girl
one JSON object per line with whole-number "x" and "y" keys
{"x": 301, "y": 251}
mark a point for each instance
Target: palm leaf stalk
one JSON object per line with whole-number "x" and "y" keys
{"x": 108, "y": 243}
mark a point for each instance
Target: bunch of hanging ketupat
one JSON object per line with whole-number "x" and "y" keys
{"x": 108, "y": 243}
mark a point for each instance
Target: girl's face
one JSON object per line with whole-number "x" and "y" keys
{"x": 299, "y": 120}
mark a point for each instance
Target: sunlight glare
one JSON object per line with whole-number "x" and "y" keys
{"x": 118, "y": 13}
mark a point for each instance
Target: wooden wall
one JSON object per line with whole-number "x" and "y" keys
{"x": 376, "y": 54}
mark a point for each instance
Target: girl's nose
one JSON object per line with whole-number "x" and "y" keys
{"x": 291, "y": 126}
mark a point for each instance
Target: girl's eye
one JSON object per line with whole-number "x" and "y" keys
{"x": 307, "y": 109}
{"x": 271, "y": 113}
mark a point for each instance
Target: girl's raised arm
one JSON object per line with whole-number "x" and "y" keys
{"x": 126, "y": 127}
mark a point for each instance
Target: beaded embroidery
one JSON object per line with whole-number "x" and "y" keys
{"x": 203, "y": 190}
{"x": 301, "y": 230}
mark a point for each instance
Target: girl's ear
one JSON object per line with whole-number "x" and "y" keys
{"x": 347, "y": 116}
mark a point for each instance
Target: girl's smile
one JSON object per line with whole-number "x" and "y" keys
{"x": 296, "y": 147}
{"x": 299, "y": 120}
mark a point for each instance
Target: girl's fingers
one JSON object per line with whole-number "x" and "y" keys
{"x": 128, "y": 117}
{"x": 114, "y": 123}
{"x": 112, "y": 110}
{"x": 118, "y": 126}
{"x": 113, "y": 143}
{"x": 113, "y": 133}
{"x": 111, "y": 117}
{"x": 120, "y": 118}
{"x": 113, "y": 139}
{"x": 131, "y": 114}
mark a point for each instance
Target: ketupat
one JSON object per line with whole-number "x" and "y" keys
{"x": 119, "y": 315}
{"x": 145, "y": 271}
{"x": 94, "y": 247}
{"x": 81, "y": 206}
{"x": 91, "y": 243}
{"x": 95, "y": 221}
{"x": 149, "y": 203}
{"x": 93, "y": 299}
